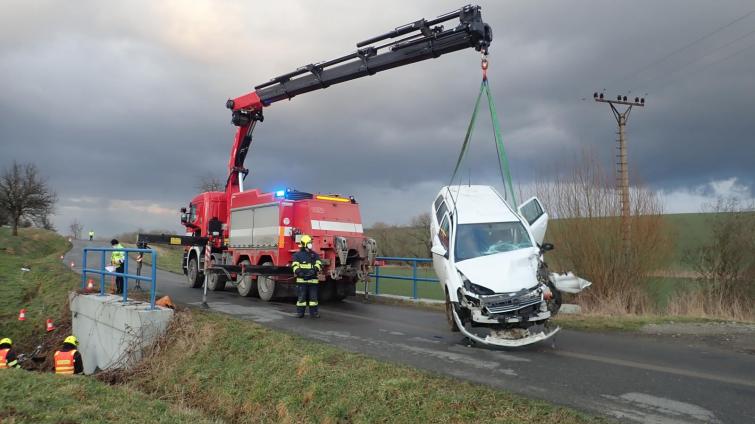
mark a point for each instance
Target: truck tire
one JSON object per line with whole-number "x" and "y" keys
{"x": 216, "y": 282}
{"x": 450, "y": 314}
{"x": 195, "y": 278}
{"x": 266, "y": 286}
{"x": 246, "y": 285}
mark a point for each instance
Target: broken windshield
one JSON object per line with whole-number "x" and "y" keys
{"x": 473, "y": 240}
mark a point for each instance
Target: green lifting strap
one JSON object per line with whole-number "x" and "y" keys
{"x": 503, "y": 160}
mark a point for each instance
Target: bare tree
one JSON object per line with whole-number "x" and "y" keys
{"x": 76, "y": 229}
{"x": 420, "y": 233}
{"x": 24, "y": 194}
{"x": 209, "y": 182}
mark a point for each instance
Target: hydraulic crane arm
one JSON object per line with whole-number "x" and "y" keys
{"x": 423, "y": 39}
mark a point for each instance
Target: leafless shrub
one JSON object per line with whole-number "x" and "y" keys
{"x": 725, "y": 266}
{"x": 588, "y": 236}
{"x": 209, "y": 182}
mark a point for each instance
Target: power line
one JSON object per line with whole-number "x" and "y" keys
{"x": 723, "y": 59}
{"x": 685, "y": 47}
{"x": 698, "y": 60}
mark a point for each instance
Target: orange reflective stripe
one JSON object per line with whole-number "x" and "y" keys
{"x": 3, "y": 361}
{"x": 64, "y": 362}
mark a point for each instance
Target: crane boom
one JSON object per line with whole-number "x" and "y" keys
{"x": 424, "y": 39}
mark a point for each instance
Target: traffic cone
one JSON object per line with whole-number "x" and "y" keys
{"x": 49, "y": 325}
{"x": 22, "y": 315}
{"x": 90, "y": 285}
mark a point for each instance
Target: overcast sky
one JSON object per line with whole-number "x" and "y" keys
{"x": 121, "y": 104}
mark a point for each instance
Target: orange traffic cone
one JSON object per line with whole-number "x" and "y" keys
{"x": 90, "y": 285}
{"x": 22, "y": 315}
{"x": 49, "y": 325}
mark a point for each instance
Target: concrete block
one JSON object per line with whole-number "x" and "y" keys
{"x": 568, "y": 309}
{"x": 113, "y": 334}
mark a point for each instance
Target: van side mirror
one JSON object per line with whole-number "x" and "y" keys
{"x": 545, "y": 247}
{"x": 439, "y": 250}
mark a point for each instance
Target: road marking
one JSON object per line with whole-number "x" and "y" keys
{"x": 659, "y": 368}
{"x": 646, "y": 408}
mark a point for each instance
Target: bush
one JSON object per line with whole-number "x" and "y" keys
{"x": 589, "y": 242}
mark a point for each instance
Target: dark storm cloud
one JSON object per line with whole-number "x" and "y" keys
{"x": 122, "y": 104}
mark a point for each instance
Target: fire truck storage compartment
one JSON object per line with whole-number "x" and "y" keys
{"x": 255, "y": 226}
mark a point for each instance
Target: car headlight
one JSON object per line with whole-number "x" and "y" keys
{"x": 474, "y": 288}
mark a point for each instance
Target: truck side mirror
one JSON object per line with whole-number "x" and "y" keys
{"x": 545, "y": 247}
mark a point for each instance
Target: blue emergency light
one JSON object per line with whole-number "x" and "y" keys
{"x": 280, "y": 193}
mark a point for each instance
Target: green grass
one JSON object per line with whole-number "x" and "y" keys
{"x": 169, "y": 258}
{"x": 47, "y": 398}
{"x": 42, "y": 291}
{"x": 243, "y": 372}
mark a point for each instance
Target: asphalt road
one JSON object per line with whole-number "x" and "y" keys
{"x": 631, "y": 377}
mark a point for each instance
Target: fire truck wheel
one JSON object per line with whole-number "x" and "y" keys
{"x": 216, "y": 282}
{"x": 266, "y": 285}
{"x": 196, "y": 278}
{"x": 246, "y": 285}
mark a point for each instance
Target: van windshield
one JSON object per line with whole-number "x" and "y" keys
{"x": 473, "y": 240}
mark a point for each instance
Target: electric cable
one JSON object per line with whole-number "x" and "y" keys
{"x": 681, "y": 49}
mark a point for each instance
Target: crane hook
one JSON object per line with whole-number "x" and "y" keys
{"x": 484, "y": 66}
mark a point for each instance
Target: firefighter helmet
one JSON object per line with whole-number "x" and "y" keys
{"x": 7, "y": 341}
{"x": 304, "y": 240}
{"x": 72, "y": 340}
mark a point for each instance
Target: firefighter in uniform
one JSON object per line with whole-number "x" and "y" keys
{"x": 8, "y": 357}
{"x": 117, "y": 259}
{"x": 68, "y": 359}
{"x": 306, "y": 265}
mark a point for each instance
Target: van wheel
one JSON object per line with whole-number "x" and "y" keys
{"x": 195, "y": 278}
{"x": 450, "y": 314}
{"x": 216, "y": 282}
{"x": 246, "y": 285}
{"x": 266, "y": 285}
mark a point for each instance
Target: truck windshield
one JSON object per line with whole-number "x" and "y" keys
{"x": 473, "y": 240}
{"x": 192, "y": 212}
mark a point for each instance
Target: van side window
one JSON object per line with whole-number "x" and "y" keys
{"x": 444, "y": 233}
{"x": 437, "y": 202}
{"x": 441, "y": 211}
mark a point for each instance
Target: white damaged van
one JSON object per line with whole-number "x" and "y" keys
{"x": 489, "y": 259}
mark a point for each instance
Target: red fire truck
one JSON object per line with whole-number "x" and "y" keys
{"x": 247, "y": 238}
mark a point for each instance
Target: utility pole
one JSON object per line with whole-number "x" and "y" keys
{"x": 623, "y": 171}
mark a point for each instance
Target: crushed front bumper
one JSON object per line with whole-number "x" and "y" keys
{"x": 515, "y": 337}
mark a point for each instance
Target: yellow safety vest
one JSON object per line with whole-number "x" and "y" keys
{"x": 116, "y": 257}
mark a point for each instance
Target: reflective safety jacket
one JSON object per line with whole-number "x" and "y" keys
{"x": 116, "y": 258}
{"x": 8, "y": 359}
{"x": 306, "y": 265}
{"x": 65, "y": 361}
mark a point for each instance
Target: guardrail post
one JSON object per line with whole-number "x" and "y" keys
{"x": 125, "y": 279}
{"x": 84, "y": 270}
{"x": 102, "y": 276}
{"x": 154, "y": 280}
{"x": 414, "y": 279}
{"x": 377, "y": 279}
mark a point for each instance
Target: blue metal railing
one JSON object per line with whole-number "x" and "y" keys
{"x": 414, "y": 279}
{"x": 103, "y": 272}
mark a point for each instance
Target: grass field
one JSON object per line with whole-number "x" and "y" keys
{"x": 46, "y": 398}
{"x": 213, "y": 368}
